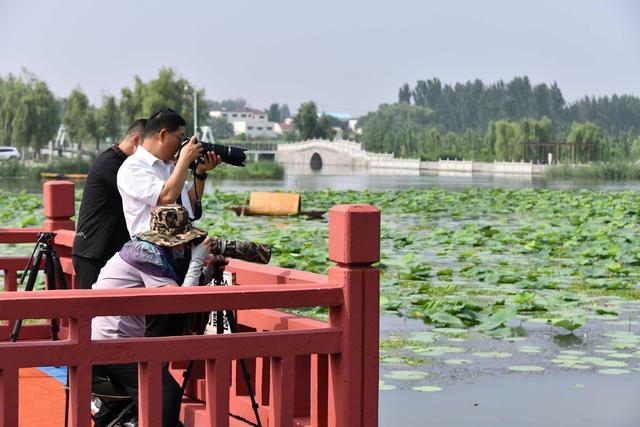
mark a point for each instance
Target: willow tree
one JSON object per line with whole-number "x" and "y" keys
{"x": 79, "y": 119}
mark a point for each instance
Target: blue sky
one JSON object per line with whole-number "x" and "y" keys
{"x": 347, "y": 56}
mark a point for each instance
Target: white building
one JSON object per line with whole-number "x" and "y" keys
{"x": 284, "y": 127}
{"x": 354, "y": 126}
{"x": 249, "y": 121}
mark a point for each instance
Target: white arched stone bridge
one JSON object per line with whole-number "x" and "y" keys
{"x": 318, "y": 153}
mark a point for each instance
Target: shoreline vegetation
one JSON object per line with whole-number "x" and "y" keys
{"x": 615, "y": 171}
{"x": 18, "y": 169}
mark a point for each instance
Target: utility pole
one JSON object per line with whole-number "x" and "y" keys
{"x": 195, "y": 111}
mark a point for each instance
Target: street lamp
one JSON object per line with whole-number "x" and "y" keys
{"x": 195, "y": 111}
{"x": 195, "y": 108}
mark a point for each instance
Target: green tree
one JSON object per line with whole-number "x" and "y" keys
{"x": 404, "y": 94}
{"x": 308, "y": 125}
{"x": 586, "y": 133}
{"x": 28, "y": 112}
{"x": 395, "y": 128}
{"x": 284, "y": 112}
{"x": 167, "y": 90}
{"x": 220, "y": 127}
{"x": 79, "y": 118}
{"x": 12, "y": 89}
{"x": 273, "y": 113}
{"x": 131, "y": 100}
{"x": 36, "y": 118}
{"x": 108, "y": 121}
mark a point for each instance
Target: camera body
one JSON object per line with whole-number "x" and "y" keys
{"x": 232, "y": 155}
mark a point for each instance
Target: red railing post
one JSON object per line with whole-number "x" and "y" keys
{"x": 218, "y": 374}
{"x": 8, "y": 397}
{"x": 80, "y": 375}
{"x": 354, "y": 244}
{"x": 59, "y": 205}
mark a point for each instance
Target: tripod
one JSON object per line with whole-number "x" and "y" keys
{"x": 53, "y": 270}
{"x": 218, "y": 264}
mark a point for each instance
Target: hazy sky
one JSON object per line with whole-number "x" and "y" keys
{"x": 346, "y": 55}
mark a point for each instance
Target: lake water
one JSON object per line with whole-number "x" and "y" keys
{"x": 483, "y": 395}
{"x": 358, "y": 180}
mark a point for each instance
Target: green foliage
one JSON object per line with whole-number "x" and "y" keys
{"x": 410, "y": 131}
{"x": 79, "y": 118}
{"x": 166, "y": 90}
{"x": 278, "y": 113}
{"x": 308, "y": 124}
{"x": 107, "y": 121}
{"x": 473, "y": 120}
{"x": 220, "y": 127}
{"x": 273, "y": 113}
{"x": 28, "y": 112}
{"x": 404, "y": 94}
{"x": 252, "y": 170}
{"x": 596, "y": 171}
{"x": 19, "y": 169}
{"x": 474, "y": 104}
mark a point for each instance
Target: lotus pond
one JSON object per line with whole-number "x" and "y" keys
{"x": 477, "y": 285}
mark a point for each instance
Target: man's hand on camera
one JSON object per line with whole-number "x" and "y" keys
{"x": 211, "y": 160}
{"x": 190, "y": 151}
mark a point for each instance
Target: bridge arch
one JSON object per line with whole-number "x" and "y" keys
{"x": 321, "y": 154}
{"x": 316, "y": 162}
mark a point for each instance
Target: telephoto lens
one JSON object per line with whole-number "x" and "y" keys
{"x": 232, "y": 155}
{"x": 245, "y": 251}
{"x": 229, "y": 154}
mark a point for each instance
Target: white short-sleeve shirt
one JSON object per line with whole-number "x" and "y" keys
{"x": 140, "y": 181}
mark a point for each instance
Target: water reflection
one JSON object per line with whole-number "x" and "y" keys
{"x": 567, "y": 340}
{"x": 302, "y": 178}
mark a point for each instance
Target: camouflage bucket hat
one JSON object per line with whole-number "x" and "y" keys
{"x": 170, "y": 226}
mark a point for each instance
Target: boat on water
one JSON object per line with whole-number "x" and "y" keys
{"x": 275, "y": 204}
{"x": 246, "y": 211}
{"x": 56, "y": 175}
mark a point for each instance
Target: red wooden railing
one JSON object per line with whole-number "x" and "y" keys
{"x": 305, "y": 372}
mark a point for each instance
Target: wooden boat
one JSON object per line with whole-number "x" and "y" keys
{"x": 275, "y": 204}
{"x": 245, "y": 211}
{"x": 55, "y": 175}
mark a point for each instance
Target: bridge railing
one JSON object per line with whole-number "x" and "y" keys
{"x": 306, "y": 372}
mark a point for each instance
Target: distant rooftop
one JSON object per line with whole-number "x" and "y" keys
{"x": 340, "y": 116}
{"x": 243, "y": 110}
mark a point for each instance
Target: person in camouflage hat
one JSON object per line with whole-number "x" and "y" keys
{"x": 172, "y": 253}
{"x": 170, "y": 226}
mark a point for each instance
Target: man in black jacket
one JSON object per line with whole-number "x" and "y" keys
{"x": 101, "y": 229}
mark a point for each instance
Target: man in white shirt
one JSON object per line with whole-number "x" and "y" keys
{"x": 149, "y": 178}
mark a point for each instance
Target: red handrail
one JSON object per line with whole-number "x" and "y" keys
{"x": 306, "y": 372}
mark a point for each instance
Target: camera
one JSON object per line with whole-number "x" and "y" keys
{"x": 245, "y": 251}
{"x": 229, "y": 154}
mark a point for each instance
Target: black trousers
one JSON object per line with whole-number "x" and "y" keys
{"x": 126, "y": 376}
{"x": 87, "y": 270}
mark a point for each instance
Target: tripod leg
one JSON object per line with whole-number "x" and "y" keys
{"x": 66, "y": 401}
{"x": 51, "y": 285}
{"x": 62, "y": 283}
{"x": 233, "y": 325}
{"x": 185, "y": 376}
{"x": 33, "y": 274}
{"x": 219, "y": 322}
